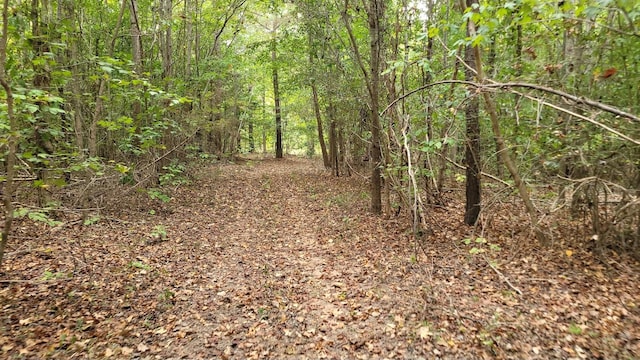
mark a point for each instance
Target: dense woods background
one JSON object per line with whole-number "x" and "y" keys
{"x": 535, "y": 98}
{"x": 251, "y": 179}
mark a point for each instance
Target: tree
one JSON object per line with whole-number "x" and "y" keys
{"x": 276, "y": 94}
{"x": 472, "y": 141}
{"x": 375, "y": 17}
{"x": 9, "y": 190}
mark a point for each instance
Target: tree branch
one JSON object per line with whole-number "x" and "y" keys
{"x": 577, "y": 99}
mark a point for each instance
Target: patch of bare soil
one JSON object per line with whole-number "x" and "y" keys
{"x": 278, "y": 259}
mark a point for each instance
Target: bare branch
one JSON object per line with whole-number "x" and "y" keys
{"x": 577, "y": 99}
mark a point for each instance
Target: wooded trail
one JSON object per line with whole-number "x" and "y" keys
{"x": 285, "y": 269}
{"x": 278, "y": 259}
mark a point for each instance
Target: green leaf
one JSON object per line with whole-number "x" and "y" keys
{"x": 20, "y": 212}
{"x": 477, "y": 40}
{"x": 122, "y": 169}
{"x": 140, "y": 265}
{"x": 575, "y": 329}
{"x": 494, "y": 247}
{"x": 31, "y": 108}
{"x": 92, "y": 220}
{"x": 42, "y": 217}
{"x": 509, "y": 5}
{"x": 55, "y": 111}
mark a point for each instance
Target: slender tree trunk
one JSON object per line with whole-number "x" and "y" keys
{"x": 196, "y": 41}
{"x": 188, "y": 39}
{"x": 375, "y": 15}
{"x": 264, "y": 126}
{"x": 252, "y": 142}
{"x": 472, "y": 143}
{"x": 136, "y": 36}
{"x": 316, "y": 109}
{"x": 333, "y": 139}
{"x": 78, "y": 115}
{"x": 316, "y": 103}
{"x": 276, "y": 100}
{"x": 333, "y": 148}
{"x": 165, "y": 37}
{"x": 9, "y": 187}
{"x": 136, "y": 52}
{"x": 341, "y": 149}
{"x": 502, "y": 149}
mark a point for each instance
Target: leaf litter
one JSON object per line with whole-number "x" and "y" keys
{"x": 278, "y": 259}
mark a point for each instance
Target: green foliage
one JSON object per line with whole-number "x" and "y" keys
{"x": 174, "y": 175}
{"x": 140, "y": 265}
{"x": 50, "y": 275}
{"x": 159, "y": 232}
{"x": 575, "y": 329}
{"x": 37, "y": 215}
{"x": 157, "y": 194}
{"x": 91, "y": 220}
{"x": 167, "y": 298}
{"x": 481, "y": 245}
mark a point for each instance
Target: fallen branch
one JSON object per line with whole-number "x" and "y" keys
{"x": 504, "y": 278}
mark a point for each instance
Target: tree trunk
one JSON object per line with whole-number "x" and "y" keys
{"x": 502, "y": 150}
{"x": 252, "y": 142}
{"x": 196, "y": 41}
{"x": 316, "y": 104}
{"x": 375, "y": 14}
{"x": 166, "y": 41}
{"x": 136, "y": 36}
{"x": 188, "y": 29}
{"x": 472, "y": 143}
{"x": 333, "y": 148}
{"x": 9, "y": 187}
{"x": 316, "y": 109}
{"x": 276, "y": 99}
{"x": 264, "y": 125}
{"x": 76, "y": 77}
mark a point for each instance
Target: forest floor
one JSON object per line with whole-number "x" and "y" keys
{"x": 267, "y": 259}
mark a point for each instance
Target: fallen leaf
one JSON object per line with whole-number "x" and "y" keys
{"x": 424, "y": 332}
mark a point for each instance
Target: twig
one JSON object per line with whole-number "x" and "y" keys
{"x": 35, "y": 282}
{"x": 493, "y": 85}
{"x": 156, "y": 160}
{"x": 550, "y": 281}
{"x": 481, "y": 173}
{"x": 503, "y": 277}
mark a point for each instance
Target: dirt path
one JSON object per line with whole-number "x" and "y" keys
{"x": 278, "y": 259}
{"x": 289, "y": 273}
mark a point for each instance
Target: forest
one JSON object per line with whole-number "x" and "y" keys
{"x": 305, "y": 179}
